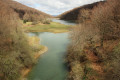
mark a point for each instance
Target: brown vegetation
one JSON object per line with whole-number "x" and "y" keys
{"x": 15, "y": 52}
{"x": 26, "y": 13}
{"x": 76, "y": 12}
{"x": 95, "y": 44}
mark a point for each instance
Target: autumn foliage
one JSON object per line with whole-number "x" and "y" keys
{"x": 15, "y": 52}
{"x": 26, "y": 13}
{"x": 75, "y": 13}
{"x": 95, "y": 47}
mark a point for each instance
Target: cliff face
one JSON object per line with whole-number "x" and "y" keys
{"x": 76, "y": 12}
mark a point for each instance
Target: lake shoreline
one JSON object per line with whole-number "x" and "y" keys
{"x": 26, "y": 71}
{"x": 54, "y": 27}
{"x": 48, "y": 31}
{"x": 57, "y": 29}
{"x": 34, "y": 42}
{"x": 54, "y": 58}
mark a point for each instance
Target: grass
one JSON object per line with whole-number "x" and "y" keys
{"x": 52, "y": 27}
{"x": 34, "y": 42}
{"x": 28, "y": 23}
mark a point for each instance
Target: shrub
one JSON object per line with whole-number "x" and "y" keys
{"x": 34, "y": 23}
{"x": 9, "y": 67}
{"x": 46, "y": 21}
{"x": 106, "y": 18}
{"x": 85, "y": 15}
{"x": 93, "y": 42}
{"x": 15, "y": 51}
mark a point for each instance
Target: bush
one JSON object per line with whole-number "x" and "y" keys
{"x": 10, "y": 68}
{"x": 112, "y": 64}
{"x": 93, "y": 42}
{"x": 106, "y": 18}
{"x": 34, "y": 23}
{"x": 15, "y": 52}
{"x": 46, "y": 21}
{"x": 85, "y": 15}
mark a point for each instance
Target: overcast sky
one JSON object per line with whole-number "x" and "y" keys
{"x": 55, "y": 7}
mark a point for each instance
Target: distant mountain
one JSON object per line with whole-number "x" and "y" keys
{"x": 76, "y": 12}
{"x": 26, "y": 12}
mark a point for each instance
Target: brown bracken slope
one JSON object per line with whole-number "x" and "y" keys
{"x": 76, "y": 12}
{"x": 25, "y": 12}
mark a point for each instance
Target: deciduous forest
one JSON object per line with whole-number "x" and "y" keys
{"x": 95, "y": 48}
{"x": 80, "y": 44}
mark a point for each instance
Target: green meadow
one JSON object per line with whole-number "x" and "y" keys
{"x": 52, "y": 27}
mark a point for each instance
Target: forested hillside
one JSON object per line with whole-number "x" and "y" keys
{"x": 16, "y": 52}
{"x": 76, "y": 12}
{"x": 26, "y": 13}
{"x": 94, "y": 52}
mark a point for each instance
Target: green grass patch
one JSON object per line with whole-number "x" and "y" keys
{"x": 52, "y": 27}
{"x": 29, "y": 23}
{"x": 34, "y": 42}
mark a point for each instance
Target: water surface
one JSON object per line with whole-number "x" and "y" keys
{"x": 51, "y": 65}
{"x": 63, "y": 21}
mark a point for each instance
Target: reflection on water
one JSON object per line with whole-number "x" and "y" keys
{"x": 51, "y": 65}
{"x": 63, "y": 21}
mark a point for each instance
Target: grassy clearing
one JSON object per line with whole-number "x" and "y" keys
{"x": 52, "y": 27}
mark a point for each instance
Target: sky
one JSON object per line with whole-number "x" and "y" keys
{"x": 55, "y": 7}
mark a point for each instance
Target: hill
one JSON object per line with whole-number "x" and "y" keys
{"x": 95, "y": 44}
{"x": 26, "y": 13}
{"x": 17, "y": 50}
{"x": 76, "y": 12}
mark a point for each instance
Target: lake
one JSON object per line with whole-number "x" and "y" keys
{"x": 51, "y": 65}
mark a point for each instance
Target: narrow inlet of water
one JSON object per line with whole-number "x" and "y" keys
{"x": 51, "y": 65}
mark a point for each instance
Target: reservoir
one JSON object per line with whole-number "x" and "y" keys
{"x": 51, "y": 65}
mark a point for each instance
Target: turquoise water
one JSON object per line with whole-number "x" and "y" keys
{"x": 51, "y": 65}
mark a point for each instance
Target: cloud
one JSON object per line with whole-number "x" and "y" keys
{"x": 55, "y": 7}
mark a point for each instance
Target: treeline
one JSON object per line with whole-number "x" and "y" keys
{"x": 76, "y": 12}
{"x": 26, "y": 13}
{"x": 15, "y": 51}
{"x": 94, "y": 52}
